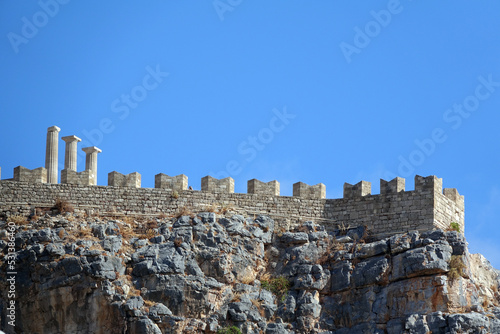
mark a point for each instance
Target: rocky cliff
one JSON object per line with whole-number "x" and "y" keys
{"x": 223, "y": 273}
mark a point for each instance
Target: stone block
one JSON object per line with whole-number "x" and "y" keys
{"x": 371, "y": 271}
{"x": 255, "y": 186}
{"x": 303, "y": 190}
{"x": 85, "y": 178}
{"x": 179, "y": 182}
{"x": 362, "y": 188}
{"x": 132, "y": 180}
{"x": 341, "y": 274}
{"x": 428, "y": 183}
{"x": 38, "y": 175}
{"x": 452, "y": 193}
{"x": 429, "y": 260}
{"x": 213, "y": 185}
{"x": 394, "y": 186}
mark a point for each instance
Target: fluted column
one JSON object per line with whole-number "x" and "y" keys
{"x": 91, "y": 160}
{"x": 70, "y": 154}
{"x": 51, "y": 153}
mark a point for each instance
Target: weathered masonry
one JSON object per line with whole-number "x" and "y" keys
{"x": 393, "y": 210}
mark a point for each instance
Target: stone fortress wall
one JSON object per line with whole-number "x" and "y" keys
{"x": 393, "y": 210}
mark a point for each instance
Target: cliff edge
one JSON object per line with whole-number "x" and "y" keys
{"x": 219, "y": 272}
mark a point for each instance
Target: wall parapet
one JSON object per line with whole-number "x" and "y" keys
{"x": 179, "y": 182}
{"x": 427, "y": 207}
{"x": 37, "y": 175}
{"x": 300, "y": 189}
{"x": 362, "y": 188}
{"x": 255, "y": 186}
{"x": 85, "y": 178}
{"x": 132, "y": 180}
{"x": 213, "y": 185}
{"x": 394, "y": 186}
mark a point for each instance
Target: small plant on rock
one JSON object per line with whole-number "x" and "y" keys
{"x": 457, "y": 267}
{"x": 183, "y": 211}
{"x": 237, "y": 297}
{"x": 278, "y": 285}
{"x": 331, "y": 248}
{"x": 226, "y": 208}
{"x": 178, "y": 241}
{"x": 18, "y": 219}
{"x": 454, "y": 227}
{"x": 150, "y": 233}
{"x": 163, "y": 215}
{"x": 63, "y": 206}
{"x": 229, "y": 330}
{"x": 62, "y": 233}
{"x": 212, "y": 208}
{"x": 151, "y": 224}
{"x": 343, "y": 228}
{"x": 128, "y": 220}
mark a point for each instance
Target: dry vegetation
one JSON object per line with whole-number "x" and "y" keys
{"x": 183, "y": 211}
{"x": 63, "y": 206}
{"x": 212, "y": 208}
{"x": 18, "y": 220}
{"x": 331, "y": 248}
{"x": 163, "y": 216}
{"x": 149, "y": 234}
{"x": 457, "y": 267}
{"x": 236, "y": 297}
{"x": 343, "y": 228}
{"x": 248, "y": 276}
{"x": 133, "y": 291}
{"x": 226, "y": 208}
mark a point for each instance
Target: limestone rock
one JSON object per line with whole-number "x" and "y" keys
{"x": 201, "y": 273}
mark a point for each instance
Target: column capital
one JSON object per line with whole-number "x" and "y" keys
{"x": 53, "y": 128}
{"x": 91, "y": 149}
{"x": 69, "y": 139}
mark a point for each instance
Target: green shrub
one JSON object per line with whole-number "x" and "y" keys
{"x": 229, "y": 330}
{"x": 455, "y": 227}
{"x": 278, "y": 285}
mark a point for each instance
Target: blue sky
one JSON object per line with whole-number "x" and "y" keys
{"x": 317, "y": 91}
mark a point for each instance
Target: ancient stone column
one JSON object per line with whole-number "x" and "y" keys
{"x": 51, "y": 153}
{"x": 91, "y": 160}
{"x": 70, "y": 153}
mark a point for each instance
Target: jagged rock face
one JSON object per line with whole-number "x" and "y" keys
{"x": 204, "y": 273}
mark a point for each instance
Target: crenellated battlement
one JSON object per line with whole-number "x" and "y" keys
{"x": 391, "y": 187}
{"x": 303, "y": 190}
{"x": 179, "y": 182}
{"x": 213, "y": 185}
{"x": 362, "y": 188}
{"x": 37, "y": 175}
{"x": 132, "y": 180}
{"x": 255, "y": 186}
{"x": 84, "y": 178}
{"x": 393, "y": 210}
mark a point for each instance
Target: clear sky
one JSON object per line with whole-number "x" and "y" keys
{"x": 316, "y": 91}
